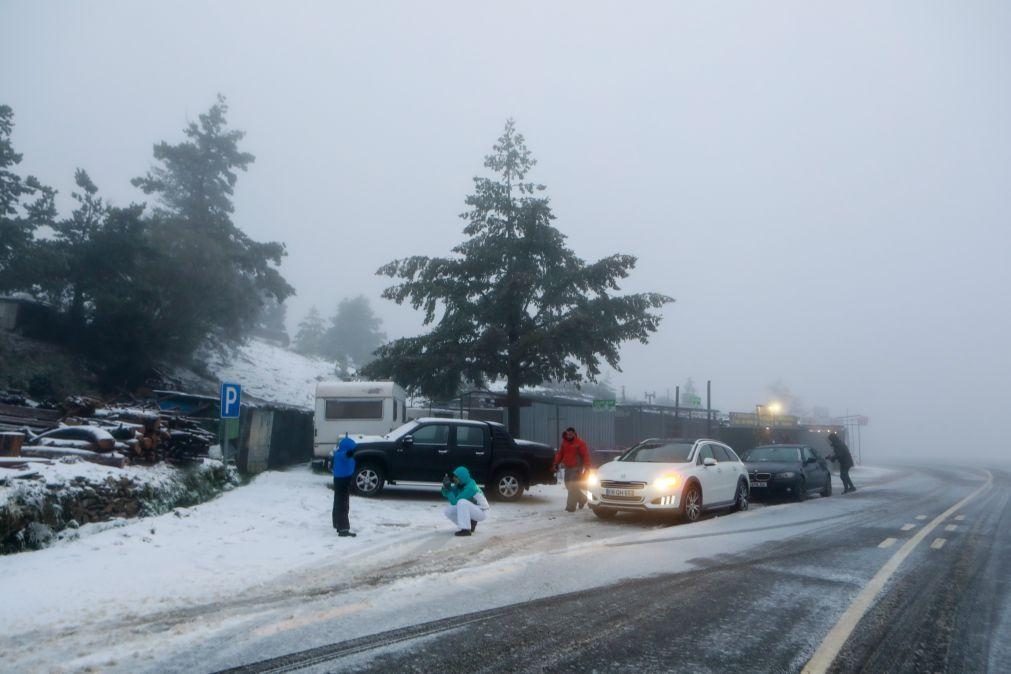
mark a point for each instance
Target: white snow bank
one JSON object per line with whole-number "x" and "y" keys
{"x": 268, "y": 372}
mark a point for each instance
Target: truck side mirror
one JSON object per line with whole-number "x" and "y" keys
{"x": 408, "y": 440}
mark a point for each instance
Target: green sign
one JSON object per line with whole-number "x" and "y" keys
{"x": 230, "y": 429}
{"x": 603, "y": 405}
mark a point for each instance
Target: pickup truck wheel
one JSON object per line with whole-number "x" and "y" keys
{"x": 508, "y": 485}
{"x": 369, "y": 480}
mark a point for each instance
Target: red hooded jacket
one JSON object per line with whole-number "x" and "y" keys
{"x": 572, "y": 453}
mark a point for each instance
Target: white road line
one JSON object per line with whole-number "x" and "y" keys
{"x": 938, "y": 543}
{"x": 921, "y": 517}
{"x": 887, "y": 543}
{"x": 951, "y": 527}
{"x": 837, "y": 636}
{"x": 907, "y": 527}
{"x": 959, "y": 517}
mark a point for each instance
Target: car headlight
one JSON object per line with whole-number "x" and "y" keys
{"x": 667, "y": 481}
{"x": 787, "y": 475}
{"x": 592, "y": 480}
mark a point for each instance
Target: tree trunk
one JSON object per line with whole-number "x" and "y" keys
{"x": 513, "y": 400}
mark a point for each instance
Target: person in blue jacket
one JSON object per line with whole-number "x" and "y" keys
{"x": 343, "y": 470}
{"x": 467, "y": 503}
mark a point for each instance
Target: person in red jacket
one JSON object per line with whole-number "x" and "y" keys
{"x": 574, "y": 456}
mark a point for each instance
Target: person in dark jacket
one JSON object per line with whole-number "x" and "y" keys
{"x": 343, "y": 470}
{"x": 574, "y": 456}
{"x": 841, "y": 453}
{"x": 467, "y": 503}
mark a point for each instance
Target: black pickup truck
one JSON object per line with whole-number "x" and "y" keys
{"x": 426, "y": 449}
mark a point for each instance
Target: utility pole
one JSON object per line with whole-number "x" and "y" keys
{"x": 709, "y": 408}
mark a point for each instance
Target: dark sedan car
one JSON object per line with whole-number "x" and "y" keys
{"x": 786, "y": 470}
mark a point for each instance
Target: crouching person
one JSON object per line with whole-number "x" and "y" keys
{"x": 467, "y": 503}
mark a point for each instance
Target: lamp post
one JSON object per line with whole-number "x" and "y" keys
{"x": 774, "y": 409}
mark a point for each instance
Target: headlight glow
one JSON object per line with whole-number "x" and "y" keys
{"x": 667, "y": 482}
{"x": 592, "y": 480}
{"x": 787, "y": 474}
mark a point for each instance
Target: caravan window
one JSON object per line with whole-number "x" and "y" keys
{"x": 354, "y": 409}
{"x": 394, "y": 409}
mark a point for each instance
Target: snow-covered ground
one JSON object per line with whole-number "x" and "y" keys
{"x": 266, "y": 371}
{"x": 162, "y": 583}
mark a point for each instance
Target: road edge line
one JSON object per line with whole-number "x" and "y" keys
{"x": 829, "y": 648}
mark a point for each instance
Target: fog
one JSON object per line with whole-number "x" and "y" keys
{"x": 822, "y": 187}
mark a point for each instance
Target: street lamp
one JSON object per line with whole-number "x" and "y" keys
{"x": 774, "y": 408}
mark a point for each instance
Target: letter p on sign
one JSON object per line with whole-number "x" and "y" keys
{"x": 231, "y": 395}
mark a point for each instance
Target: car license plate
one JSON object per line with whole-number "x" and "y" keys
{"x": 759, "y": 484}
{"x": 619, "y": 492}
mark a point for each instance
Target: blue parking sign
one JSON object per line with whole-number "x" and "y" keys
{"x": 231, "y": 395}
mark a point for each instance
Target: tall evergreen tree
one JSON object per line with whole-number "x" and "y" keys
{"x": 19, "y": 218}
{"x": 514, "y": 302}
{"x": 309, "y": 337}
{"x": 354, "y": 333}
{"x": 70, "y": 260}
{"x": 218, "y": 276}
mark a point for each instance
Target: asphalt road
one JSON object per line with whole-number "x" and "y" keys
{"x": 771, "y": 607}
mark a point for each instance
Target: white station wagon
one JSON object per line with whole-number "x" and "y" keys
{"x": 679, "y": 476}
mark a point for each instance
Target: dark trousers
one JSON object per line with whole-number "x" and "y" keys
{"x": 341, "y": 503}
{"x": 574, "y": 483}
{"x": 844, "y": 473}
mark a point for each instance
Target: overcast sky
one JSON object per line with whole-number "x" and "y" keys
{"x": 823, "y": 187}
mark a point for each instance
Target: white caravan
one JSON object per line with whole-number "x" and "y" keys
{"x": 355, "y": 407}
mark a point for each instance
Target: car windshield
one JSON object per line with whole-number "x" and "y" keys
{"x": 767, "y": 454}
{"x": 659, "y": 452}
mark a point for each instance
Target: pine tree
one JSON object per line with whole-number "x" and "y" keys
{"x": 19, "y": 218}
{"x": 309, "y": 338}
{"x": 354, "y": 333}
{"x": 218, "y": 276}
{"x": 514, "y": 302}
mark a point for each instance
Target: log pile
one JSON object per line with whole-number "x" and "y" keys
{"x": 109, "y": 435}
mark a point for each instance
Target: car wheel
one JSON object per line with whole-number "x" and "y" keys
{"x": 801, "y": 489}
{"x": 692, "y": 509}
{"x": 369, "y": 480}
{"x": 741, "y": 500}
{"x": 827, "y": 491}
{"x": 508, "y": 485}
{"x": 604, "y": 513}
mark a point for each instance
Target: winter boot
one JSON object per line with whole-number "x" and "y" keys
{"x": 473, "y": 525}
{"x": 462, "y": 532}
{"x": 343, "y": 533}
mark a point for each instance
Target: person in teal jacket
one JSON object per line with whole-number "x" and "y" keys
{"x": 467, "y": 503}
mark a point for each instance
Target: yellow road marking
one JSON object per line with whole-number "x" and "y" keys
{"x": 837, "y": 636}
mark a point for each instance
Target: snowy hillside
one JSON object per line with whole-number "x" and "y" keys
{"x": 265, "y": 371}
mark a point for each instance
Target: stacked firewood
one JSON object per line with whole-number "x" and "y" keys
{"x": 112, "y": 436}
